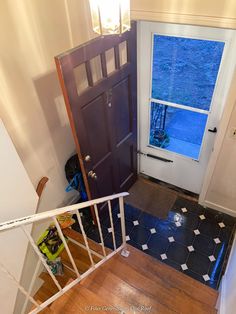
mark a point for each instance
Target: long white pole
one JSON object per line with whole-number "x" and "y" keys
{"x": 55, "y": 212}
{"x": 84, "y": 236}
{"x": 122, "y": 219}
{"x": 112, "y": 225}
{"x": 99, "y": 229}
{"x": 31, "y": 285}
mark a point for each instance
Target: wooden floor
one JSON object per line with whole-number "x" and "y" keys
{"x": 135, "y": 282}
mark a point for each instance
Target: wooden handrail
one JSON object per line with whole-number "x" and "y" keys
{"x": 41, "y": 186}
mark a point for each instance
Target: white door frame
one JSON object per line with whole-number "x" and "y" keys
{"x": 145, "y": 30}
{"x": 223, "y": 130}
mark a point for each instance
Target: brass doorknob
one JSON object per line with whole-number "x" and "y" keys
{"x": 92, "y": 175}
{"x": 87, "y": 158}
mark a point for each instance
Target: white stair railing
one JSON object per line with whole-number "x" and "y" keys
{"x": 72, "y": 209}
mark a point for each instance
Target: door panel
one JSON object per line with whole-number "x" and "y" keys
{"x": 125, "y": 162}
{"x": 104, "y": 185}
{"x": 98, "y": 144}
{"x": 102, "y": 109}
{"x": 122, "y": 110}
{"x": 95, "y": 121}
{"x": 125, "y": 149}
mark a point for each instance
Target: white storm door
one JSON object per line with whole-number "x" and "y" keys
{"x": 180, "y": 100}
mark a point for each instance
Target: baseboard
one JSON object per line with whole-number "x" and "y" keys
{"x": 219, "y": 208}
{"x": 220, "y": 301}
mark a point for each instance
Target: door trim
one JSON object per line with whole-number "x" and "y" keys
{"x": 181, "y": 18}
{"x": 219, "y": 143}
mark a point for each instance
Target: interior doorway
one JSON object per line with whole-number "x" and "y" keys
{"x": 181, "y": 74}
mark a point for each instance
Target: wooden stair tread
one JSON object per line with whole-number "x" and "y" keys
{"x": 82, "y": 261}
{"x": 80, "y": 257}
{"x": 77, "y": 300}
{"x": 47, "y": 290}
{"x": 79, "y": 238}
{"x": 67, "y": 274}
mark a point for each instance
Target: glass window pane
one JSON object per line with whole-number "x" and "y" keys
{"x": 185, "y": 70}
{"x": 177, "y": 130}
{"x": 81, "y": 78}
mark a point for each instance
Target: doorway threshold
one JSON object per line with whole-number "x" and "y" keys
{"x": 181, "y": 192}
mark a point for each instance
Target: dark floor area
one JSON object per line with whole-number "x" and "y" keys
{"x": 193, "y": 240}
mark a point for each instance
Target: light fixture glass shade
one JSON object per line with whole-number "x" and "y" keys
{"x": 110, "y": 16}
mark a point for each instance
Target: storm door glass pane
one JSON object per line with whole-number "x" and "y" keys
{"x": 184, "y": 70}
{"x": 177, "y": 130}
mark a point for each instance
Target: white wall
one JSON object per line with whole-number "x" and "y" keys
{"x": 32, "y": 32}
{"x": 220, "y": 182}
{"x": 217, "y": 13}
{"x": 227, "y": 297}
{"x": 222, "y": 188}
{"x": 18, "y": 198}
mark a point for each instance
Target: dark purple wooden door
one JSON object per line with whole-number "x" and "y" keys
{"x": 99, "y": 84}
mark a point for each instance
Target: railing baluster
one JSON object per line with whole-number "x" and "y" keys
{"x": 112, "y": 225}
{"x": 24, "y": 221}
{"x": 28, "y": 296}
{"x": 85, "y": 237}
{"x": 84, "y": 247}
{"x": 122, "y": 219}
{"x": 66, "y": 246}
{"x": 100, "y": 229}
{"x": 37, "y": 251}
{"x": 31, "y": 285}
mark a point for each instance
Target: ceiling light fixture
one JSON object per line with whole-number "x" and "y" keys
{"x": 110, "y": 16}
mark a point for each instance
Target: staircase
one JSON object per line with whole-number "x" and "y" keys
{"x": 101, "y": 280}
{"x": 134, "y": 283}
{"x": 82, "y": 261}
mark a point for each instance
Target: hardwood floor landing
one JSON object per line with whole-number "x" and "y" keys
{"x": 135, "y": 282}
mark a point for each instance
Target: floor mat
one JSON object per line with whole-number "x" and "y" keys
{"x": 151, "y": 198}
